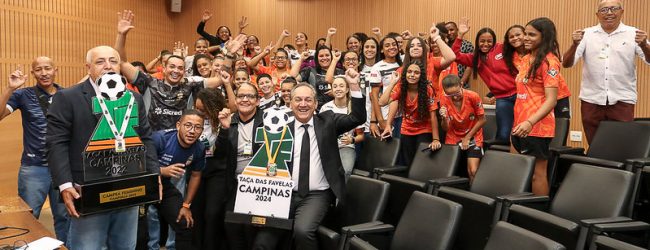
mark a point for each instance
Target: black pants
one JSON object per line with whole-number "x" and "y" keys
{"x": 308, "y": 212}
{"x": 409, "y": 145}
{"x": 169, "y": 208}
{"x": 208, "y": 212}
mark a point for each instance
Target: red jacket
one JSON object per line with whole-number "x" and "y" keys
{"x": 493, "y": 71}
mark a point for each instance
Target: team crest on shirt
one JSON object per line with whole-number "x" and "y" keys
{"x": 498, "y": 56}
{"x": 472, "y": 117}
{"x": 552, "y": 72}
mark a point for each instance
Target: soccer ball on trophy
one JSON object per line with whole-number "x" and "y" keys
{"x": 274, "y": 120}
{"x": 111, "y": 86}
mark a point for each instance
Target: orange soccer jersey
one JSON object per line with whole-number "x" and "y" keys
{"x": 563, "y": 88}
{"x": 463, "y": 120}
{"x": 412, "y": 124}
{"x": 531, "y": 95}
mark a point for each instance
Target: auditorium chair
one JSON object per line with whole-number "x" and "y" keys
{"x": 589, "y": 196}
{"x": 365, "y": 202}
{"x": 499, "y": 174}
{"x": 376, "y": 153}
{"x": 615, "y": 145}
{"x": 642, "y": 201}
{"x": 559, "y": 141}
{"x": 426, "y": 165}
{"x": 506, "y": 236}
{"x": 490, "y": 132}
{"x": 428, "y": 223}
{"x": 601, "y": 242}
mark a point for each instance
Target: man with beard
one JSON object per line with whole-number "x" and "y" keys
{"x": 34, "y": 180}
{"x": 178, "y": 152}
{"x": 170, "y": 96}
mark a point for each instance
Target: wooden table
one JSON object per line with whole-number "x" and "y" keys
{"x": 26, "y": 220}
{"x": 10, "y": 204}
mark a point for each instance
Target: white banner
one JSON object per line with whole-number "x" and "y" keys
{"x": 263, "y": 196}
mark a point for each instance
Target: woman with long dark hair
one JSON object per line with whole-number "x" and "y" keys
{"x": 488, "y": 62}
{"x": 316, "y": 75}
{"x": 379, "y": 78}
{"x": 537, "y": 88}
{"x": 413, "y": 97}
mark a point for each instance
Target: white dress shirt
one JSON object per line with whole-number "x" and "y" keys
{"x": 317, "y": 180}
{"x": 608, "y": 71}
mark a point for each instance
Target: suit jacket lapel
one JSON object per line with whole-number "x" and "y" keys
{"x": 291, "y": 128}
{"x": 89, "y": 93}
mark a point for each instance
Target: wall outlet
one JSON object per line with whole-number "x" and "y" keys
{"x": 575, "y": 136}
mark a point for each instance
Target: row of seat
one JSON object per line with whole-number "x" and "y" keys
{"x": 433, "y": 173}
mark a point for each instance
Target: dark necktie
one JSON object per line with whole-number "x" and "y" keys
{"x": 303, "y": 178}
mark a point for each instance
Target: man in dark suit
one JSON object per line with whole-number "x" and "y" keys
{"x": 317, "y": 170}
{"x": 71, "y": 122}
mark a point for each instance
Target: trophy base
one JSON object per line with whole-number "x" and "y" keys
{"x": 115, "y": 194}
{"x": 259, "y": 221}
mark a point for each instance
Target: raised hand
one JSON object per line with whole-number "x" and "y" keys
{"x": 268, "y": 48}
{"x": 180, "y": 49}
{"x": 336, "y": 55}
{"x": 243, "y": 22}
{"x": 406, "y": 35}
{"x": 206, "y": 15}
{"x": 352, "y": 77}
{"x": 394, "y": 77}
{"x": 577, "y": 35}
{"x": 331, "y": 31}
{"x": 124, "y": 21}
{"x": 285, "y": 33}
{"x": 257, "y": 50}
{"x": 434, "y": 32}
{"x": 304, "y": 55}
{"x": 235, "y": 44}
{"x": 17, "y": 78}
{"x": 376, "y": 31}
{"x": 463, "y": 26}
{"x": 225, "y": 77}
{"x": 225, "y": 117}
{"x": 641, "y": 37}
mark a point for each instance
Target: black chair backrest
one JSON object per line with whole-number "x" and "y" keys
{"x": 589, "y": 192}
{"x": 428, "y": 222}
{"x": 619, "y": 141}
{"x": 506, "y": 236}
{"x": 502, "y": 173}
{"x": 429, "y": 165}
{"x": 490, "y": 127}
{"x": 366, "y": 200}
{"x": 606, "y": 243}
{"x": 561, "y": 132}
{"x": 376, "y": 153}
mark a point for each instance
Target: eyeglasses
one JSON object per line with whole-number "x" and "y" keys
{"x": 249, "y": 96}
{"x": 280, "y": 58}
{"x": 189, "y": 127}
{"x": 613, "y": 9}
{"x": 353, "y": 59}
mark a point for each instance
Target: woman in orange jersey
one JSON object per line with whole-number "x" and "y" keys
{"x": 537, "y": 89}
{"x": 513, "y": 52}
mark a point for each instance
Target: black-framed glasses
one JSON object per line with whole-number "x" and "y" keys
{"x": 249, "y": 96}
{"x": 189, "y": 127}
{"x": 613, "y": 9}
{"x": 458, "y": 93}
{"x": 351, "y": 59}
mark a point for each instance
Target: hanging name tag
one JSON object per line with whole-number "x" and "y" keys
{"x": 248, "y": 148}
{"x": 120, "y": 145}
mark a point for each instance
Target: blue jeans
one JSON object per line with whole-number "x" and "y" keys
{"x": 505, "y": 114}
{"x": 34, "y": 185}
{"x": 116, "y": 229}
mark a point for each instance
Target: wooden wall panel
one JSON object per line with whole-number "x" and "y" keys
{"x": 64, "y": 30}
{"x": 267, "y": 18}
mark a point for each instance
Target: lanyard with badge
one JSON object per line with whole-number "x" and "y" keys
{"x": 119, "y": 135}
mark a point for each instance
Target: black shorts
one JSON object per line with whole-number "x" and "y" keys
{"x": 472, "y": 152}
{"x": 562, "y": 108}
{"x": 531, "y": 145}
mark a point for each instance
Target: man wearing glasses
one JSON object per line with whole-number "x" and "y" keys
{"x": 178, "y": 152}
{"x": 608, "y": 89}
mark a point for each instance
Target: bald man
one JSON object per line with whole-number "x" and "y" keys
{"x": 608, "y": 89}
{"x": 71, "y": 123}
{"x": 34, "y": 180}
